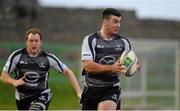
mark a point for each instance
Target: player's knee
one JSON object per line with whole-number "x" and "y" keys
{"x": 107, "y": 105}
{"x": 37, "y": 106}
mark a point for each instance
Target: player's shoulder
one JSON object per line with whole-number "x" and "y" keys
{"x": 49, "y": 54}
{"x": 121, "y": 37}
{"x": 52, "y": 57}
{"x": 91, "y": 36}
{"x": 18, "y": 51}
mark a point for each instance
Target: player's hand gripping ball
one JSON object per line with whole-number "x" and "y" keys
{"x": 130, "y": 61}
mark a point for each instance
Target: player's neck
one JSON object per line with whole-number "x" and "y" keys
{"x": 105, "y": 35}
{"x": 33, "y": 54}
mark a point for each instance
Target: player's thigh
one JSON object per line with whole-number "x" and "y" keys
{"x": 107, "y": 105}
{"x": 118, "y": 105}
{"x": 88, "y": 99}
{"x": 111, "y": 99}
{"x": 23, "y": 104}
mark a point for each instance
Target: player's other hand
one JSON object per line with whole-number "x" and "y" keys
{"x": 79, "y": 95}
{"x": 118, "y": 68}
{"x": 19, "y": 82}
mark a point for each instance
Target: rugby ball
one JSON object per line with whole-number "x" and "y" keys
{"x": 130, "y": 61}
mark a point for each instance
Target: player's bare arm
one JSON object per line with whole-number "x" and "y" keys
{"x": 9, "y": 80}
{"x": 70, "y": 75}
{"x": 93, "y": 67}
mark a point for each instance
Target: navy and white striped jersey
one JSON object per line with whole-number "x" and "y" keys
{"x": 35, "y": 70}
{"x": 103, "y": 52}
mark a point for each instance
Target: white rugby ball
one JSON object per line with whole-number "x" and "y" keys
{"x": 130, "y": 60}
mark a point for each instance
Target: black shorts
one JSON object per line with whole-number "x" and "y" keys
{"x": 91, "y": 96}
{"x": 37, "y": 102}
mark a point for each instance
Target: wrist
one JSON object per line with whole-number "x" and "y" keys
{"x": 112, "y": 69}
{"x": 14, "y": 83}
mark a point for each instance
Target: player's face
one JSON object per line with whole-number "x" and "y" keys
{"x": 113, "y": 24}
{"x": 33, "y": 43}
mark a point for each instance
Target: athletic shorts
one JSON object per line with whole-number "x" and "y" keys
{"x": 37, "y": 102}
{"x": 91, "y": 96}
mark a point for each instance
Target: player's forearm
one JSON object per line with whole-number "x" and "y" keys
{"x": 7, "y": 79}
{"x": 93, "y": 67}
{"x": 71, "y": 77}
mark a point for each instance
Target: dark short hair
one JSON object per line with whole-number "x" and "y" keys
{"x": 110, "y": 11}
{"x": 33, "y": 31}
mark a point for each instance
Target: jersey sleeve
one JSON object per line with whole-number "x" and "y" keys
{"x": 56, "y": 63}
{"x": 127, "y": 44}
{"x": 11, "y": 63}
{"x": 88, "y": 48}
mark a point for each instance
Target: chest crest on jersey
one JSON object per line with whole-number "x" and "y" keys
{"x": 42, "y": 65}
{"x": 118, "y": 48}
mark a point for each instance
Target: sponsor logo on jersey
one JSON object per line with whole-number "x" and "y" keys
{"x": 42, "y": 98}
{"x": 107, "y": 60}
{"x": 118, "y": 48}
{"x": 100, "y": 46}
{"x": 31, "y": 77}
{"x": 86, "y": 54}
{"x": 23, "y": 62}
{"x": 114, "y": 96}
{"x": 42, "y": 65}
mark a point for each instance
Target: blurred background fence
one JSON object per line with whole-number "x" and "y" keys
{"x": 156, "y": 86}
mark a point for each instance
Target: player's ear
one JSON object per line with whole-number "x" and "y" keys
{"x": 26, "y": 43}
{"x": 104, "y": 22}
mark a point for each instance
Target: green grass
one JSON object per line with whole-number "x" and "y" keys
{"x": 64, "y": 96}
{"x": 153, "y": 103}
{"x": 160, "y": 102}
{"x": 7, "y": 99}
